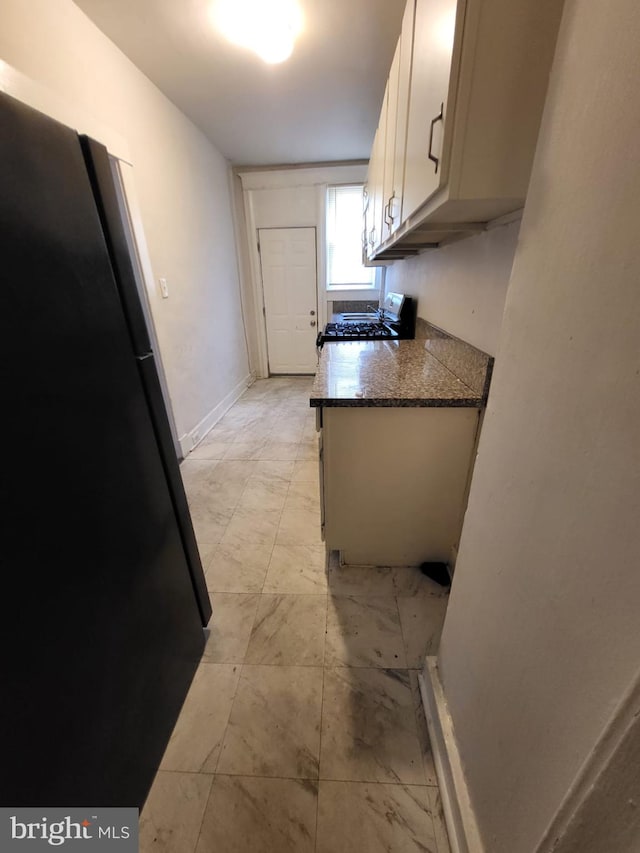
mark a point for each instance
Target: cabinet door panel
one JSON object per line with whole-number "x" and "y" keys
{"x": 388, "y": 192}
{"x": 375, "y": 187}
{"x": 431, "y": 68}
{"x": 402, "y": 113}
{"x": 415, "y": 511}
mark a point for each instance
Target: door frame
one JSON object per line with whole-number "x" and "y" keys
{"x": 141, "y": 263}
{"x": 261, "y": 368}
{"x": 261, "y": 281}
{"x": 248, "y": 199}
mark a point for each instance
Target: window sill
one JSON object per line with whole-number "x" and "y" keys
{"x": 333, "y": 288}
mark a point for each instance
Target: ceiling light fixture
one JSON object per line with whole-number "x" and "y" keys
{"x": 267, "y": 27}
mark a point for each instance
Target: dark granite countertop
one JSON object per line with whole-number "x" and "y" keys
{"x": 396, "y": 373}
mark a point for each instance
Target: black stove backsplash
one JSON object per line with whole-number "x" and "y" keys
{"x": 340, "y": 306}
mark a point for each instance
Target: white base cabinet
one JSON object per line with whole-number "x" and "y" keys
{"x": 395, "y": 482}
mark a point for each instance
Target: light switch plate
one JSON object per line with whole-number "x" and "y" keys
{"x": 163, "y": 288}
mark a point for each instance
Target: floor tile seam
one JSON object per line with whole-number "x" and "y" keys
{"x": 224, "y": 662}
{"x": 188, "y": 772}
{"x": 286, "y": 663}
{"x": 280, "y": 665}
{"x": 421, "y": 596}
{"x": 256, "y": 595}
{"x": 234, "y": 591}
{"x": 386, "y": 596}
{"x": 315, "y": 843}
{"x": 273, "y": 666}
{"x": 244, "y": 666}
{"x": 324, "y": 656}
{"x": 214, "y": 774}
{"x": 279, "y": 778}
{"x": 209, "y": 459}
{"x": 273, "y": 545}
{"x": 207, "y": 563}
{"x": 226, "y": 725}
{"x": 283, "y": 663}
{"x": 324, "y": 645}
{"x": 265, "y": 478}
{"x": 205, "y": 809}
{"x": 271, "y": 591}
{"x": 408, "y": 669}
{"x": 263, "y": 433}
{"x": 303, "y": 594}
{"x": 402, "y": 633}
{"x": 377, "y": 782}
{"x": 263, "y": 444}
{"x": 250, "y": 507}
{"x": 366, "y": 666}
{"x": 250, "y": 458}
{"x": 235, "y": 507}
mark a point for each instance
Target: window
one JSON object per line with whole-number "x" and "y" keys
{"x": 344, "y": 240}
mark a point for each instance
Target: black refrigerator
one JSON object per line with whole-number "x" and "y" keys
{"x": 104, "y": 599}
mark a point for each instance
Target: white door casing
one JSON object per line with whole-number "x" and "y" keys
{"x": 288, "y": 269}
{"x": 131, "y": 220}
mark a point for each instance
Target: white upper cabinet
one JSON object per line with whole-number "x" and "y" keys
{"x": 425, "y": 171}
{"x": 471, "y": 79}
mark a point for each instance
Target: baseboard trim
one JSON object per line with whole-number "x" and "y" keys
{"x": 456, "y": 805}
{"x": 599, "y": 809}
{"x": 192, "y": 439}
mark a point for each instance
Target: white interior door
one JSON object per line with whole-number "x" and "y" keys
{"x": 288, "y": 264}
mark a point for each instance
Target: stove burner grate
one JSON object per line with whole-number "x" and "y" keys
{"x": 365, "y": 331}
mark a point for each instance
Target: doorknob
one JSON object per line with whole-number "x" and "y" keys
{"x": 313, "y": 313}
{"x": 312, "y": 323}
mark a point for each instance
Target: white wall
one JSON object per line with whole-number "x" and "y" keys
{"x": 461, "y": 287}
{"x": 182, "y": 187}
{"x": 285, "y": 207}
{"x": 542, "y": 635}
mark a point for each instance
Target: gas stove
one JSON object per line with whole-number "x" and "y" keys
{"x": 396, "y": 319}
{"x": 357, "y": 330}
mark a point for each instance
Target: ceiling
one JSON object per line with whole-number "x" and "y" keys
{"x": 321, "y": 105}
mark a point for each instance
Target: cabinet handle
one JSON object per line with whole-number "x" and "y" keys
{"x": 438, "y": 118}
{"x": 389, "y": 206}
{"x": 385, "y": 214}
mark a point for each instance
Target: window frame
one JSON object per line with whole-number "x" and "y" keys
{"x": 332, "y": 287}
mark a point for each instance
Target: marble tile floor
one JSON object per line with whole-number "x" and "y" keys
{"x": 303, "y": 730}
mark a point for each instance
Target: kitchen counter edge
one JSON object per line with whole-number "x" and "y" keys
{"x": 402, "y": 374}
